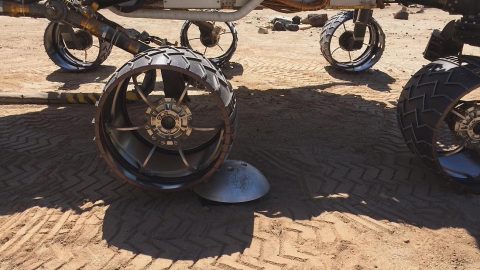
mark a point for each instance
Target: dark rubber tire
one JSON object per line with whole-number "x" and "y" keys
{"x": 191, "y": 64}
{"x": 426, "y": 101}
{"x": 59, "y": 55}
{"x": 221, "y": 59}
{"x": 370, "y": 59}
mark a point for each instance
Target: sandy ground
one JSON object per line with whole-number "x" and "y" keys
{"x": 346, "y": 193}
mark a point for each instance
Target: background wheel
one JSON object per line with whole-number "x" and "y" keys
{"x": 439, "y": 116}
{"x": 176, "y": 136}
{"x": 334, "y": 38}
{"x": 219, "y": 52}
{"x": 86, "y": 54}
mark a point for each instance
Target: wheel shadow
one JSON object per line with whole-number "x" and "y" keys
{"x": 321, "y": 152}
{"x": 373, "y": 78}
{"x": 73, "y": 81}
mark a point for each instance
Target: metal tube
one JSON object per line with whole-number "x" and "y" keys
{"x": 14, "y": 9}
{"x": 192, "y": 15}
{"x": 110, "y": 32}
{"x": 95, "y": 25}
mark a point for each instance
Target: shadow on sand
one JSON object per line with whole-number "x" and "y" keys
{"x": 311, "y": 145}
{"x": 373, "y": 78}
{"x": 72, "y": 81}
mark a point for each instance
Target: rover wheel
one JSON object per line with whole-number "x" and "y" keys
{"x": 439, "y": 116}
{"x": 176, "y": 136}
{"x": 218, "y": 49}
{"x": 336, "y": 44}
{"x": 74, "y": 50}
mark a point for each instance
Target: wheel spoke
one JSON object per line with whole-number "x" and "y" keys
{"x": 335, "y": 51}
{"x": 182, "y": 96}
{"x": 193, "y": 38}
{"x": 127, "y": 128}
{"x": 212, "y": 156}
{"x": 344, "y": 27}
{"x": 368, "y": 45}
{"x": 220, "y": 47}
{"x": 149, "y": 156}
{"x": 350, "y": 56}
{"x": 141, "y": 94}
{"x": 204, "y": 52}
{"x": 184, "y": 159}
{"x": 458, "y": 114}
{"x": 224, "y": 33}
{"x": 205, "y": 129}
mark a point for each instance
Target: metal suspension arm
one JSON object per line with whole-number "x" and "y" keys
{"x": 107, "y": 30}
{"x": 86, "y": 19}
{"x": 15, "y": 9}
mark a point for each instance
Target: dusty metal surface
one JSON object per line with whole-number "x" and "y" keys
{"x": 235, "y": 182}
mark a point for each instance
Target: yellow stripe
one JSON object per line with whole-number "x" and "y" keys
{"x": 92, "y": 98}
{"x": 70, "y": 98}
{"x": 81, "y": 98}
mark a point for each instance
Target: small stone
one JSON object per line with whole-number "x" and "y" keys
{"x": 317, "y": 20}
{"x": 406, "y": 241}
{"x": 281, "y": 20}
{"x": 296, "y": 20}
{"x": 262, "y": 30}
{"x": 402, "y": 14}
{"x": 279, "y": 26}
{"x": 292, "y": 27}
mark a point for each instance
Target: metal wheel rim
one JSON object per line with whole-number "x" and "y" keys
{"x": 64, "y": 54}
{"x": 167, "y": 181}
{"x": 463, "y": 162}
{"x": 367, "y": 58}
{"x": 220, "y": 59}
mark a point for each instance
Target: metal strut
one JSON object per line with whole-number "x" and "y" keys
{"x": 79, "y": 17}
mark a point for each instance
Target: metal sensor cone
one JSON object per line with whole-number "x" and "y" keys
{"x": 235, "y": 182}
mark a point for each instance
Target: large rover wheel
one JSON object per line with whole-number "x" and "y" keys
{"x": 218, "y": 47}
{"x": 176, "y": 136}
{"x": 74, "y": 50}
{"x": 336, "y": 42}
{"x": 439, "y": 116}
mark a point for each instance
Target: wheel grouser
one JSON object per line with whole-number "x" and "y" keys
{"x": 431, "y": 103}
{"x": 335, "y": 28}
{"x": 153, "y": 155}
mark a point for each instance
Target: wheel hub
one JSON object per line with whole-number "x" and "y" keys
{"x": 168, "y": 122}
{"x": 211, "y": 39}
{"x": 346, "y": 41}
{"x": 84, "y": 40}
{"x": 468, "y": 126}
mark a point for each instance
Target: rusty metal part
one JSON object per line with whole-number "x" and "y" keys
{"x": 16, "y": 9}
{"x": 94, "y": 23}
